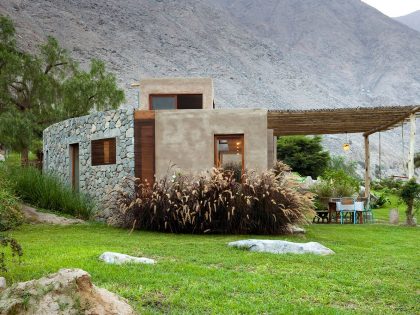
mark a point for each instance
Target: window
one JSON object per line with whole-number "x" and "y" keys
{"x": 229, "y": 152}
{"x": 180, "y": 101}
{"x": 103, "y": 151}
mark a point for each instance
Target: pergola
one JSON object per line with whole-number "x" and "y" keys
{"x": 365, "y": 120}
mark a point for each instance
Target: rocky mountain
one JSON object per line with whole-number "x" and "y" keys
{"x": 261, "y": 53}
{"x": 411, "y": 20}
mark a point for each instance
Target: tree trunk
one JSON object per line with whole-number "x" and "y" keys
{"x": 409, "y": 214}
{"x": 24, "y": 157}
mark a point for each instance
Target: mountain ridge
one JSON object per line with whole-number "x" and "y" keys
{"x": 273, "y": 53}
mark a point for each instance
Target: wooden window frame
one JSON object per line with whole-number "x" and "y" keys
{"x": 112, "y": 158}
{"x": 176, "y": 99}
{"x": 230, "y": 136}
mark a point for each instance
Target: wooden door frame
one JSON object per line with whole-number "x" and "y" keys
{"x": 231, "y": 136}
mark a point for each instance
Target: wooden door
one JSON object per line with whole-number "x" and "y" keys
{"x": 74, "y": 160}
{"x": 144, "y": 146}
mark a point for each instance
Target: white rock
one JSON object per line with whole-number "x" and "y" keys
{"x": 118, "y": 259}
{"x": 3, "y": 284}
{"x": 282, "y": 247}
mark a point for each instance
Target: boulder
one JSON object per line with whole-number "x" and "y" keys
{"x": 3, "y": 284}
{"x": 294, "y": 229}
{"x": 118, "y": 259}
{"x": 282, "y": 247}
{"x": 33, "y": 216}
{"x": 394, "y": 216}
{"x": 69, "y": 291}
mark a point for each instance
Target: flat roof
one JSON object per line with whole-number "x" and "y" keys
{"x": 366, "y": 120}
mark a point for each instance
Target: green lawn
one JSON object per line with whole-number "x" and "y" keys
{"x": 375, "y": 270}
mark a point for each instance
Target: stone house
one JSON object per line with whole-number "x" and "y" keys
{"x": 176, "y": 124}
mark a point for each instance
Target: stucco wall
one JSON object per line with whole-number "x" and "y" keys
{"x": 177, "y": 86}
{"x": 186, "y": 138}
{"x": 94, "y": 180}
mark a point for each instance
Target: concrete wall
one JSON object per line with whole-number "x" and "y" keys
{"x": 186, "y": 137}
{"x": 177, "y": 86}
{"x": 94, "y": 180}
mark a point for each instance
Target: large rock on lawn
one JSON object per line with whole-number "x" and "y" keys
{"x": 69, "y": 291}
{"x": 118, "y": 259}
{"x": 282, "y": 247}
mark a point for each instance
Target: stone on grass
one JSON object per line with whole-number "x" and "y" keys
{"x": 3, "y": 284}
{"x": 394, "y": 216}
{"x": 282, "y": 247}
{"x": 294, "y": 229}
{"x": 69, "y": 291}
{"x": 118, "y": 259}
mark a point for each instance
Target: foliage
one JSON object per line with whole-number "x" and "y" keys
{"x": 260, "y": 204}
{"x": 410, "y": 194}
{"x": 336, "y": 183}
{"x": 380, "y": 201}
{"x": 236, "y": 168}
{"x": 375, "y": 267}
{"x": 305, "y": 155}
{"x": 338, "y": 163}
{"x": 10, "y": 212}
{"x": 38, "y": 90}
{"x": 48, "y": 192}
{"x": 391, "y": 184}
{"x": 15, "y": 248}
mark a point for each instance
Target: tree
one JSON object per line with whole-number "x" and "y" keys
{"x": 39, "y": 90}
{"x": 305, "y": 155}
{"x": 410, "y": 194}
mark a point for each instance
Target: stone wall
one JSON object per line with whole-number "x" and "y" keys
{"x": 94, "y": 180}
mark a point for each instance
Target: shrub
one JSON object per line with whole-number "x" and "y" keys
{"x": 410, "y": 194}
{"x": 392, "y": 184}
{"x": 260, "y": 204}
{"x": 380, "y": 201}
{"x": 10, "y": 212}
{"x": 304, "y": 154}
{"x": 48, "y": 192}
{"x": 15, "y": 249}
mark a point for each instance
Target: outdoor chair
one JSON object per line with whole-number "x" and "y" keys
{"x": 366, "y": 215}
{"x": 347, "y": 209}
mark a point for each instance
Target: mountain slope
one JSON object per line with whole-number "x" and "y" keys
{"x": 354, "y": 50}
{"x": 411, "y": 20}
{"x": 261, "y": 53}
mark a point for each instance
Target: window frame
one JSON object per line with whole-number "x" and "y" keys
{"x": 176, "y": 99}
{"x": 218, "y": 137}
{"x": 112, "y": 158}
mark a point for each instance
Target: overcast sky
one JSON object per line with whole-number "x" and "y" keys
{"x": 395, "y": 8}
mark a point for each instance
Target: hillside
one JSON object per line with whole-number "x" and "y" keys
{"x": 411, "y": 20}
{"x": 261, "y": 53}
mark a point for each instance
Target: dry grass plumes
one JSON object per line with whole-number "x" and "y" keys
{"x": 264, "y": 203}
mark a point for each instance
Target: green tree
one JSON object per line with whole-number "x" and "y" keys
{"x": 410, "y": 194}
{"x": 39, "y": 90}
{"x": 305, "y": 155}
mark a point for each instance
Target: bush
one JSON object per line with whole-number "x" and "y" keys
{"x": 10, "y": 212}
{"x": 392, "y": 184}
{"x": 380, "y": 201}
{"x": 15, "y": 249}
{"x": 305, "y": 155}
{"x": 260, "y": 204}
{"x": 334, "y": 184}
{"x": 48, "y": 192}
{"x": 410, "y": 194}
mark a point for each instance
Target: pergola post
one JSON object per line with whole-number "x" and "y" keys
{"x": 411, "y": 146}
{"x": 367, "y": 167}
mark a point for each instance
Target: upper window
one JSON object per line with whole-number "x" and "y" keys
{"x": 180, "y": 101}
{"x": 229, "y": 152}
{"x": 104, "y": 151}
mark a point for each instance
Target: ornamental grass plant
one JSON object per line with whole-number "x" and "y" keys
{"x": 261, "y": 203}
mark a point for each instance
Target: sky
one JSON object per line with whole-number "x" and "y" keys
{"x": 394, "y": 8}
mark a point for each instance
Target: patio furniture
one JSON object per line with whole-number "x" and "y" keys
{"x": 347, "y": 209}
{"x": 365, "y": 215}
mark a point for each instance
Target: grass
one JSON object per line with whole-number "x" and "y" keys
{"x": 44, "y": 190}
{"x": 375, "y": 270}
{"x": 382, "y": 214}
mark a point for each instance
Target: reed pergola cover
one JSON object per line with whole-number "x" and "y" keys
{"x": 366, "y": 120}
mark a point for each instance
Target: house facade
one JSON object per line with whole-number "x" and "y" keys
{"x": 175, "y": 129}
